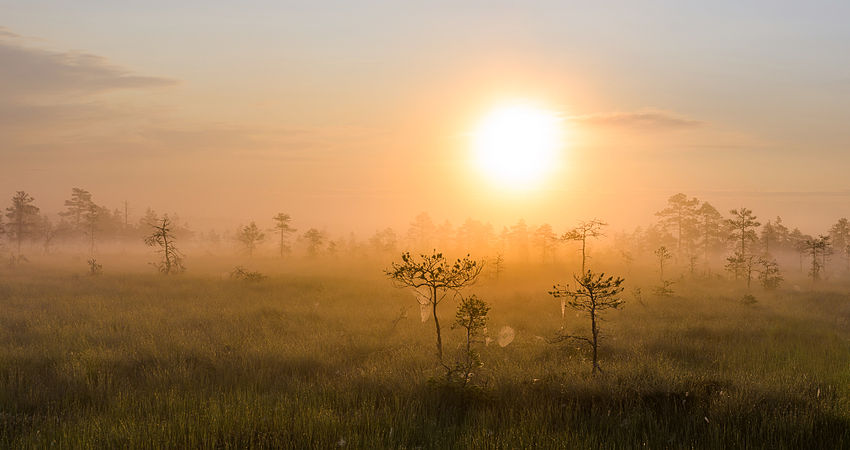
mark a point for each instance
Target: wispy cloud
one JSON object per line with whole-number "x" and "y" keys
{"x": 645, "y": 119}
{"x": 5, "y": 33}
{"x": 27, "y": 72}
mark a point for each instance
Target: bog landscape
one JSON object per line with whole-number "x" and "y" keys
{"x": 424, "y": 225}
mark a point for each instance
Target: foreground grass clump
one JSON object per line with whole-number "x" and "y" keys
{"x": 317, "y": 362}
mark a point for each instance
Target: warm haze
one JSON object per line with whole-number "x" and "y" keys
{"x": 363, "y": 110}
{"x": 424, "y": 225}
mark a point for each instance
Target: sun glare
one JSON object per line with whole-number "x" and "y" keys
{"x": 515, "y": 146}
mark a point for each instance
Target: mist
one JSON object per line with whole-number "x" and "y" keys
{"x": 424, "y": 225}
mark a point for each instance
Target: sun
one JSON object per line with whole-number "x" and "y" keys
{"x": 517, "y": 145}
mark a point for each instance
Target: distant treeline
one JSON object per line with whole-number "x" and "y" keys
{"x": 693, "y": 233}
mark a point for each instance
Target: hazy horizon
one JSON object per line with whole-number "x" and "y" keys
{"x": 358, "y": 117}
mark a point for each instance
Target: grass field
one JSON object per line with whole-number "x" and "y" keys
{"x": 301, "y": 361}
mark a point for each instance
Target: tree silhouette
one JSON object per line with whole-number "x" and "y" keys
{"x": 743, "y": 224}
{"x": 91, "y": 217}
{"x": 315, "y": 239}
{"x": 545, "y": 240}
{"x": 680, "y": 215}
{"x": 816, "y": 248}
{"x": 593, "y": 294}
{"x": 471, "y": 315}
{"x": 421, "y": 231}
{"x": 163, "y": 239}
{"x": 250, "y": 236}
{"x": 23, "y": 218}
{"x": 498, "y": 266}
{"x": 741, "y": 265}
{"x": 282, "y": 226}
{"x": 438, "y": 276}
{"x": 384, "y": 241}
{"x": 586, "y": 229}
{"x": 839, "y": 235}
{"x": 518, "y": 237}
{"x": 798, "y": 241}
{"x": 769, "y": 234}
{"x": 77, "y": 206}
{"x": 663, "y": 255}
{"x": 769, "y": 273}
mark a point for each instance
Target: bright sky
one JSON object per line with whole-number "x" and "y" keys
{"x": 356, "y": 115}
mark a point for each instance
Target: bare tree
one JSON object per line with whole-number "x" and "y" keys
{"x": 593, "y": 294}
{"x": 23, "y": 218}
{"x": 439, "y": 277}
{"x": 584, "y": 230}
{"x": 282, "y": 226}
{"x": 250, "y": 236}
{"x": 163, "y": 238}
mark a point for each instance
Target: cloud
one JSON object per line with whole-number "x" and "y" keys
{"x": 53, "y": 96}
{"x": 27, "y": 72}
{"x": 646, "y": 119}
{"x": 5, "y": 33}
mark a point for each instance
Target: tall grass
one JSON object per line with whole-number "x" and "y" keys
{"x": 147, "y": 361}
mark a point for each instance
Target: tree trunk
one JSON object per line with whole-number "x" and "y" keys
{"x": 815, "y": 268}
{"x": 595, "y": 333}
{"x": 167, "y": 253}
{"x": 583, "y": 257}
{"x": 436, "y": 323}
{"x": 705, "y": 248}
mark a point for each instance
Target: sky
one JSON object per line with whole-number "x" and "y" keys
{"x": 353, "y": 116}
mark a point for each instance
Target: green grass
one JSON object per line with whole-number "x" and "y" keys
{"x": 147, "y": 361}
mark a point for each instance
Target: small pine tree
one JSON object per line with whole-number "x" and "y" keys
{"x": 663, "y": 255}
{"x": 769, "y": 274}
{"x": 163, "y": 238}
{"x": 471, "y": 315}
{"x": 436, "y": 275}
{"x": 593, "y": 294}
{"x": 250, "y": 236}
